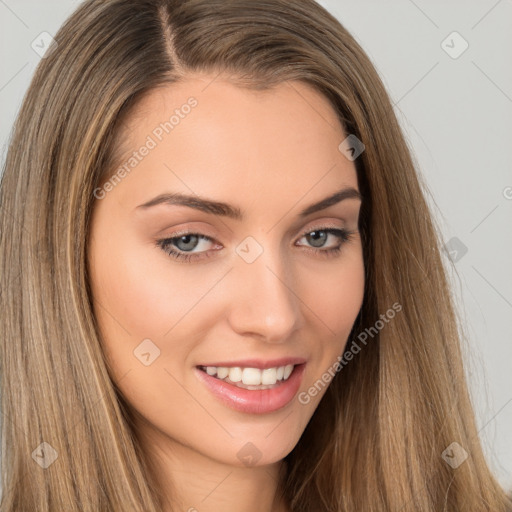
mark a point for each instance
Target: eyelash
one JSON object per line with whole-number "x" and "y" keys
{"x": 165, "y": 244}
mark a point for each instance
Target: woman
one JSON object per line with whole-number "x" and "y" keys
{"x": 221, "y": 286}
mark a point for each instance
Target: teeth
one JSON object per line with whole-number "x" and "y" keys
{"x": 269, "y": 376}
{"x": 222, "y": 373}
{"x": 252, "y": 376}
{"x": 235, "y": 374}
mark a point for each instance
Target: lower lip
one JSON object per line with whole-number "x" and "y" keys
{"x": 254, "y": 401}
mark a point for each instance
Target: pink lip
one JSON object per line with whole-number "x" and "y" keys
{"x": 258, "y": 363}
{"x": 254, "y": 401}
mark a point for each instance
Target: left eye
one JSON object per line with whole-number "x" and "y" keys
{"x": 181, "y": 247}
{"x": 318, "y": 237}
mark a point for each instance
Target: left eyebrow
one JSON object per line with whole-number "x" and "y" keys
{"x": 227, "y": 210}
{"x": 341, "y": 195}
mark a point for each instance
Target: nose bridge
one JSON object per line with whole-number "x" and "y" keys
{"x": 264, "y": 301}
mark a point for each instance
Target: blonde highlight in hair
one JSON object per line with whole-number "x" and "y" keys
{"x": 375, "y": 441}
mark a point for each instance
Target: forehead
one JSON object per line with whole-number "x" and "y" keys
{"x": 211, "y": 90}
{"x": 293, "y": 111}
{"x": 207, "y": 130}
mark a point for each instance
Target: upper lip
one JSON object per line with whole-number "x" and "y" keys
{"x": 257, "y": 363}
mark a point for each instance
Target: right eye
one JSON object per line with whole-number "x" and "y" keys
{"x": 181, "y": 247}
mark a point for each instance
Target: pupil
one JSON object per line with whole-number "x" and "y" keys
{"x": 187, "y": 240}
{"x": 318, "y": 241}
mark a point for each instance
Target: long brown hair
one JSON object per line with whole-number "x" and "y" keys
{"x": 377, "y": 439}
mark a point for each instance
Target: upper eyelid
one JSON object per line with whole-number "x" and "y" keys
{"x": 202, "y": 235}
{"x": 317, "y": 224}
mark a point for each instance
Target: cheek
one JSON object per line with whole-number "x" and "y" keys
{"x": 137, "y": 291}
{"x": 136, "y": 299}
{"x": 335, "y": 294}
{"x": 335, "y": 297}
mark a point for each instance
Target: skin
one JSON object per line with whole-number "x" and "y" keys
{"x": 271, "y": 153}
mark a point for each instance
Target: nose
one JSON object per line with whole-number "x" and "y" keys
{"x": 263, "y": 298}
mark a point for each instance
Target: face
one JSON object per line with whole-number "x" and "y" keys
{"x": 240, "y": 279}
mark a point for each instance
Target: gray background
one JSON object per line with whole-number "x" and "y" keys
{"x": 457, "y": 116}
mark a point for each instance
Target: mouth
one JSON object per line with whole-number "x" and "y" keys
{"x": 251, "y": 378}
{"x": 250, "y": 389}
